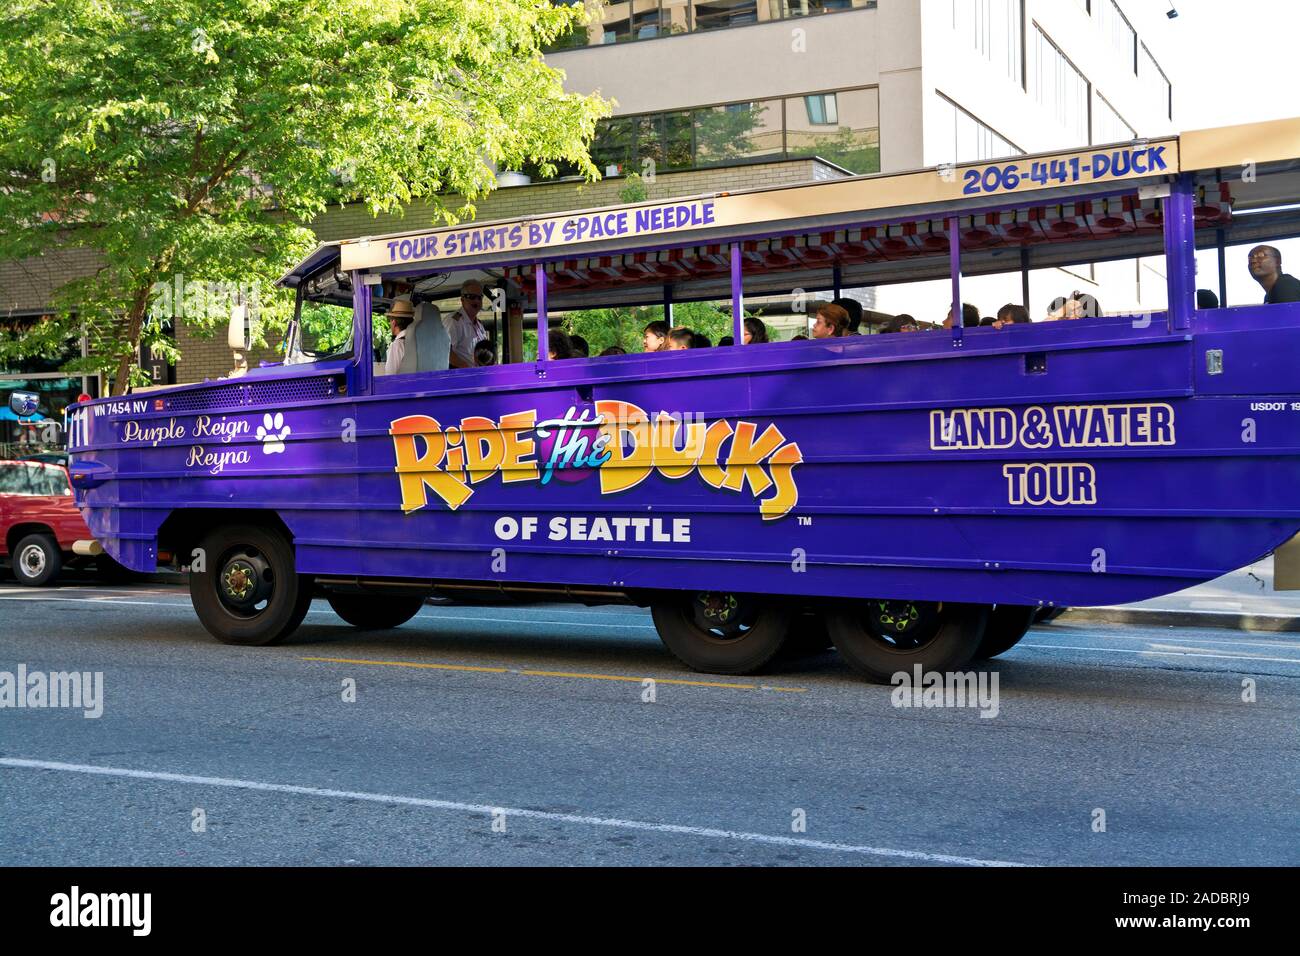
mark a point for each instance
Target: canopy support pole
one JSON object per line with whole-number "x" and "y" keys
{"x": 954, "y": 266}
{"x": 1223, "y": 268}
{"x": 837, "y": 279}
{"x": 737, "y": 296}
{"x": 668, "y": 304}
{"x": 1180, "y": 252}
{"x": 1024, "y": 277}
{"x": 543, "y": 331}
{"x": 363, "y": 342}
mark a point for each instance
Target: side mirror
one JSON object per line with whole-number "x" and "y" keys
{"x": 23, "y": 404}
{"x": 237, "y": 336}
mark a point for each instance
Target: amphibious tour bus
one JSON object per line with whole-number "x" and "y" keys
{"x": 912, "y": 498}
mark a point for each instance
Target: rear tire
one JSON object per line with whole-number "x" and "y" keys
{"x": 375, "y": 612}
{"x": 250, "y": 593}
{"x": 37, "y": 560}
{"x": 880, "y": 638}
{"x": 1008, "y": 623}
{"x": 720, "y": 633}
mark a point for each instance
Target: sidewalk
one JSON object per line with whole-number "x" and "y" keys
{"x": 1243, "y": 600}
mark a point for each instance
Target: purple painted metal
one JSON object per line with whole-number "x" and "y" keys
{"x": 361, "y": 374}
{"x": 543, "y": 324}
{"x": 737, "y": 295}
{"x": 1180, "y": 252}
{"x": 954, "y": 262}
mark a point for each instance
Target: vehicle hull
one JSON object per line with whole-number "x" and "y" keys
{"x": 1079, "y": 463}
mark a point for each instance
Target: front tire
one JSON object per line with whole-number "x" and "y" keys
{"x": 720, "y": 633}
{"x": 37, "y": 560}
{"x": 880, "y": 638}
{"x": 375, "y": 612}
{"x": 1008, "y": 623}
{"x": 249, "y": 593}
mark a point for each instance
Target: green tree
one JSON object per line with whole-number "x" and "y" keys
{"x": 185, "y": 142}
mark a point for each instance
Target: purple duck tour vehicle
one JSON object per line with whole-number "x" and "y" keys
{"x": 913, "y": 499}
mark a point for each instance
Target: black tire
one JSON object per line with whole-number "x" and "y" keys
{"x": 1008, "y": 623}
{"x": 36, "y": 560}
{"x": 880, "y": 638}
{"x": 717, "y": 633}
{"x": 808, "y": 636}
{"x": 1046, "y": 615}
{"x": 249, "y": 593}
{"x": 376, "y": 612}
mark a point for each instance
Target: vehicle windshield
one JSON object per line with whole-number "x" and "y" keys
{"x": 324, "y": 331}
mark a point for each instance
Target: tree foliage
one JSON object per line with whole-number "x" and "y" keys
{"x": 193, "y": 138}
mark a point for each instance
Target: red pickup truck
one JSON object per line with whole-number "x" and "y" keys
{"x": 40, "y": 527}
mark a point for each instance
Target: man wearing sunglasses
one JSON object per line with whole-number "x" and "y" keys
{"x": 463, "y": 327}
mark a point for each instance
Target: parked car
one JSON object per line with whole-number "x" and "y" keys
{"x": 39, "y": 524}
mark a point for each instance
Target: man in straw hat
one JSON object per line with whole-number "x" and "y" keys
{"x": 400, "y": 315}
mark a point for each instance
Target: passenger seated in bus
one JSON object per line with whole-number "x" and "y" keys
{"x": 755, "y": 331}
{"x": 700, "y": 341}
{"x": 613, "y": 350}
{"x": 400, "y": 314}
{"x": 559, "y": 345}
{"x": 580, "y": 347}
{"x": 680, "y": 339}
{"x": 799, "y": 338}
{"x": 970, "y": 317}
{"x": 832, "y": 322}
{"x": 726, "y": 340}
{"x": 1265, "y": 263}
{"x": 854, "y": 308}
{"x": 1206, "y": 299}
{"x": 1011, "y": 314}
{"x": 987, "y": 322}
{"x": 463, "y": 326}
{"x": 1080, "y": 305}
{"x": 899, "y": 323}
{"x": 655, "y": 336}
{"x": 485, "y": 353}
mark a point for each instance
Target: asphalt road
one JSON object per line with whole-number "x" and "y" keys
{"x": 521, "y": 736}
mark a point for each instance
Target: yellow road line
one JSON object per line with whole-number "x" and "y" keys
{"x": 433, "y": 667}
{"x": 572, "y": 675}
{"x": 623, "y": 677}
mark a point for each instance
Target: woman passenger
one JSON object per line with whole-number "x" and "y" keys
{"x": 655, "y": 336}
{"x": 832, "y": 322}
{"x": 755, "y": 331}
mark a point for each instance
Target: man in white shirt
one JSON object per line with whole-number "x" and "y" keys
{"x": 463, "y": 327}
{"x": 399, "y": 320}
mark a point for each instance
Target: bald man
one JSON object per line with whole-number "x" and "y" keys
{"x": 1266, "y": 269}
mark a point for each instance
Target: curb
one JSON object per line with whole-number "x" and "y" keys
{"x": 1140, "y": 617}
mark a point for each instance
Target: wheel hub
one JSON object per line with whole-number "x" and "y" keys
{"x": 32, "y": 560}
{"x": 245, "y": 581}
{"x": 721, "y": 613}
{"x": 904, "y": 623}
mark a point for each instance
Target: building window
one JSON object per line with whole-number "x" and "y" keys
{"x": 1155, "y": 84}
{"x": 995, "y": 28}
{"x": 621, "y": 21}
{"x": 1059, "y": 87}
{"x": 842, "y": 127}
{"x": 1107, "y": 125}
{"x": 821, "y": 109}
{"x": 966, "y": 139}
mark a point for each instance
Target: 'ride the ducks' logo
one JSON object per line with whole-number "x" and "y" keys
{"x": 615, "y": 440}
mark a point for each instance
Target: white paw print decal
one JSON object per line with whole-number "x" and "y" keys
{"x": 272, "y": 433}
